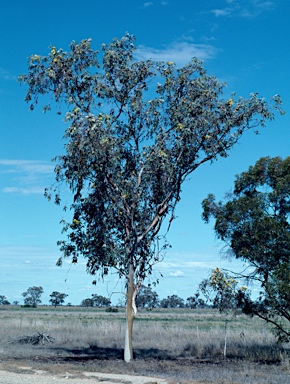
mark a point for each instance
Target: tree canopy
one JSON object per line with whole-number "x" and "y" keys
{"x": 223, "y": 292}
{"x": 135, "y": 131}
{"x": 254, "y": 223}
{"x": 172, "y": 301}
{"x": 32, "y": 297}
{"x": 3, "y": 300}
{"x": 146, "y": 297}
{"x": 57, "y": 298}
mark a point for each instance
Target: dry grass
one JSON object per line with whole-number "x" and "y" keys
{"x": 166, "y": 342}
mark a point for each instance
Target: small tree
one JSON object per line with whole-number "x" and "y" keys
{"x": 146, "y": 298}
{"x": 89, "y": 302}
{"x": 254, "y": 223}
{"x": 172, "y": 301}
{"x": 195, "y": 301}
{"x": 137, "y": 130}
{"x": 3, "y": 300}
{"x": 222, "y": 291}
{"x": 32, "y": 296}
{"x": 57, "y": 298}
{"x": 100, "y": 301}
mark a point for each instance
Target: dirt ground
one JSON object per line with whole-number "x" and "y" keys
{"x": 14, "y": 372}
{"x": 34, "y": 376}
{"x": 87, "y": 370}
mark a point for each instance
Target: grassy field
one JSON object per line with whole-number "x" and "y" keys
{"x": 175, "y": 343}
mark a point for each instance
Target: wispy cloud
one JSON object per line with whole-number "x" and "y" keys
{"x": 6, "y": 75}
{"x": 28, "y": 166}
{"x": 222, "y": 12}
{"x": 25, "y": 177}
{"x": 24, "y": 191}
{"x": 177, "y": 262}
{"x": 147, "y": 4}
{"x": 179, "y": 52}
{"x": 176, "y": 274}
{"x": 245, "y": 9}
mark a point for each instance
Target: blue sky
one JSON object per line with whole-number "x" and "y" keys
{"x": 243, "y": 43}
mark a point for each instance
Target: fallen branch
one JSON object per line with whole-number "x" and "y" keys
{"x": 34, "y": 339}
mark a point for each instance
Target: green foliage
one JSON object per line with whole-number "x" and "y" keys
{"x": 57, "y": 298}
{"x": 100, "y": 301}
{"x": 172, "y": 301}
{"x": 254, "y": 222}
{"x": 195, "y": 301}
{"x": 223, "y": 292}
{"x": 146, "y": 298}
{"x": 32, "y": 296}
{"x": 96, "y": 301}
{"x": 136, "y": 130}
{"x": 89, "y": 302}
{"x": 112, "y": 309}
{"x": 3, "y": 300}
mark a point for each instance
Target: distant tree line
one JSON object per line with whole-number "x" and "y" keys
{"x": 32, "y": 298}
{"x": 147, "y": 298}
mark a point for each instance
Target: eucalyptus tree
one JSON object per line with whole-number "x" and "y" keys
{"x": 135, "y": 131}
{"x": 57, "y": 298}
{"x": 32, "y": 297}
{"x": 254, "y": 223}
{"x": 147, "y": 298}
{"x": 3, "y": 300}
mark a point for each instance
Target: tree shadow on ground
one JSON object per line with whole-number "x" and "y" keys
{"x": 100, "y": 353}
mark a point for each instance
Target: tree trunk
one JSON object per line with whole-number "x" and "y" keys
{"x": 130, "y": 315}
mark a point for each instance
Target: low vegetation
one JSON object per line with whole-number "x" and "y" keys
{"x": 167, "y": 342}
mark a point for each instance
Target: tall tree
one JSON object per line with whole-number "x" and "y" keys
{"x": 32, "y": 296}
{"x": 254, "y": 223}
{"x": 136, "y": 130}
{"x": 57, "y": 298}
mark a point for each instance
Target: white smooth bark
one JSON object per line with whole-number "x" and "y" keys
{"x": 127, "y": 351}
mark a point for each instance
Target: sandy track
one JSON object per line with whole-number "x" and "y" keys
{"x": 34, "y": 376}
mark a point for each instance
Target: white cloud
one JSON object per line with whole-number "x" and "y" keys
{"x": 25, "y": 177}
{"x": 24, "y": 191}
{"x": 179, "y": 52}
{"x": 28, "y": 166}
{"x": 176, "y": 274}
{"x": 247, "y": 9}
{"x": 221, "y": 12}
{"x": 148, "y": 4}
{"x": 6, "y": 75}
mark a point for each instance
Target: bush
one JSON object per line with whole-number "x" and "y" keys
{"x": 111, "y": 309}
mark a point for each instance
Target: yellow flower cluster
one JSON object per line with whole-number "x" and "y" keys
{"x": 35, "y": 58}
